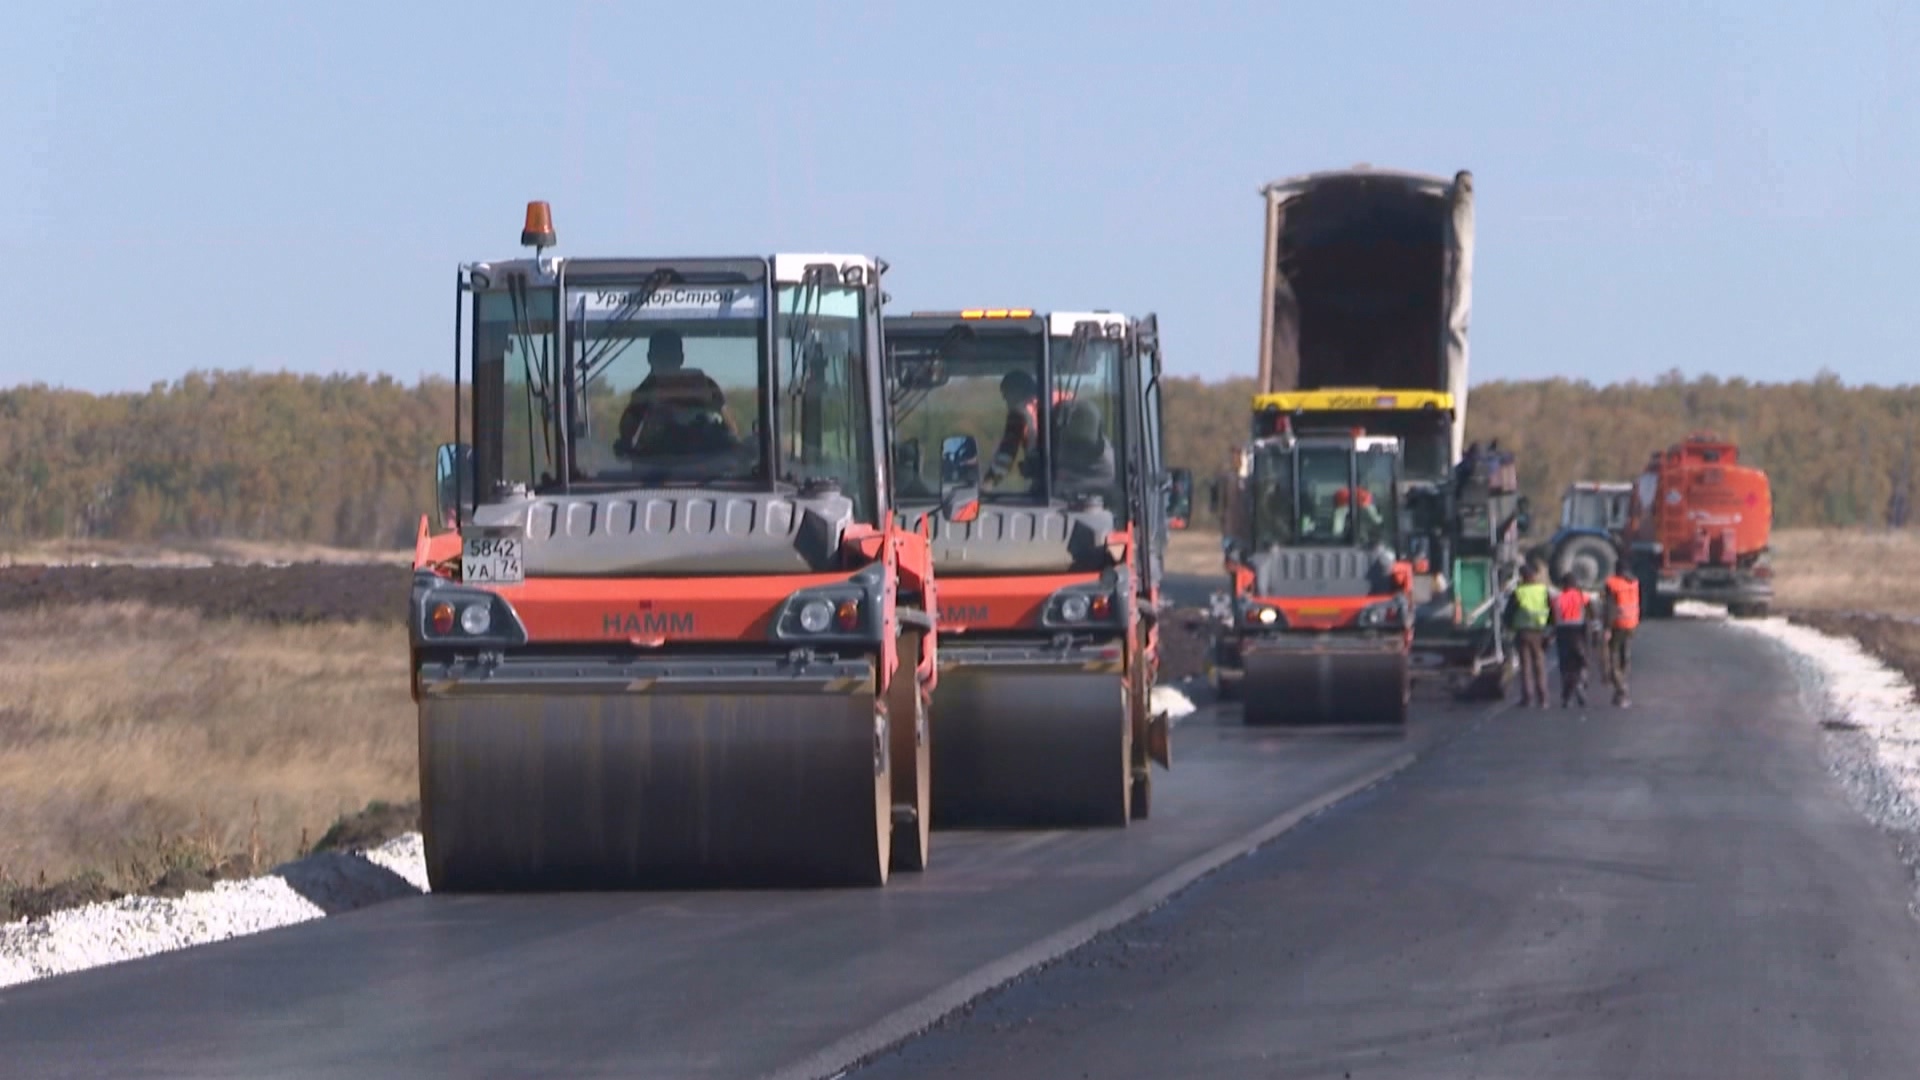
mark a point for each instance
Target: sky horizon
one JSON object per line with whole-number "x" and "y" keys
{"x": 1717, "y": 188}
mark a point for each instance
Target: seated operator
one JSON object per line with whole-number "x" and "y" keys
{"x": 1367, "y": 521}
{"x": 675, "y": 408}
{"x": 1085, "y": 456}
{"x": 1021, "y": 392}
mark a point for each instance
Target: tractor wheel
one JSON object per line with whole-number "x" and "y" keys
{"x": 1590, "y": 559}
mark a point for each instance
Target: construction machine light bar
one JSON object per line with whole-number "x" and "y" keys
{"x": 997, "y": 313}
{"x": 1348, "y": 400}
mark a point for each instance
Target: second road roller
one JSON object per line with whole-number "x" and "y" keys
{"x": 1050, "y": 588}
{"x": 660, "y": 640}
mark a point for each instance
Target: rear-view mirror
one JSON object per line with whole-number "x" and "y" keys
{"x": 959, "y": 478}
{"x": 960, "y": 503}
{"x": 959, "y": 462}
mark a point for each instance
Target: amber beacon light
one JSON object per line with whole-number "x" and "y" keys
{"x": 538, "y": 231}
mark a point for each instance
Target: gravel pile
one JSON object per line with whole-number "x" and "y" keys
{"x": 137, "y": 926}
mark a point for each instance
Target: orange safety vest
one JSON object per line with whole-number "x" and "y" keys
{"x": 1570, "y": 607}
{"x": 1626, "y": 602}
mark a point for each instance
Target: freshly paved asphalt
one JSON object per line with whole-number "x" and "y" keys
{"x": 1678, "y": 890}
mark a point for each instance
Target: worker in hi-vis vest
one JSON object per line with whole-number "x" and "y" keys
{"x": 1572, "y": 629}
{"x": 1621, "y": 609}
{"x": 1529, "y": 612}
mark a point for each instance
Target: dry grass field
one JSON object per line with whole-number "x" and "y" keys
{"x": 1844, "y": 570}
{"x": 134, "y": 739}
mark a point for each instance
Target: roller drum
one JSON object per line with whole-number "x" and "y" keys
{"x": 646, "y": 789}
{"x": 1031, "y": 747}
{"x": 1325, "y": 686}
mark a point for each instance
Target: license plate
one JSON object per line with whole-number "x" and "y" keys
{"x": 492, "y": 560}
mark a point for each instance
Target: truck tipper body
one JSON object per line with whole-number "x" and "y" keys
{"x": 1701, "y": 529}
{"x": 1366, "y": 296}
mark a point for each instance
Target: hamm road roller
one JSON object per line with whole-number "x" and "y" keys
{"x": 1319, "y": 624}
{"x": 1050, "y": 589}
{"x": 659, "y": 645}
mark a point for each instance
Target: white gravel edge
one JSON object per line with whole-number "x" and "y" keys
{"x": 1872, "y": 721}
{"x": 137, "y": 926}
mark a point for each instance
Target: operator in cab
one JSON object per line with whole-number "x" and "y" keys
{"x": 1021, "y": 435}
{"x": 1368, "y": 523}
{"x": 675, "y": 409}
{"x": 1085, "y": 455}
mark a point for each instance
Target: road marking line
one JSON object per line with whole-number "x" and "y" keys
{"x": 842, "y": 1056}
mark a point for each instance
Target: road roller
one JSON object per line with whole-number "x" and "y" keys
{"x": 1049, "y": 589}
{"x": 1318, "y": 628}
{"x": 668, "y": 631}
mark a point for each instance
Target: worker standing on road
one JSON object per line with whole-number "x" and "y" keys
{"x": 1529, "y": 612}
{"x": 1622, "y": 610}
{"x": 1572, "y": 626}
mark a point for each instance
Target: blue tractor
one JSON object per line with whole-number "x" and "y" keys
{"x": 1593, "y": 521}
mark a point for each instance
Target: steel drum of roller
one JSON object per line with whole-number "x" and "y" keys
{"x": 1025, "y": 747}
{"x": 1324, "y": 685}
{"x": 664, "y": 787}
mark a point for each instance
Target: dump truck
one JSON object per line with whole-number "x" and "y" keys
{"x": 1318, "y": 629}
{"x": 1700, "y": 529}
{"x": 676, "y": 635}
{"x": 1367, "y": 290}
{"x": 1049, "y": 600}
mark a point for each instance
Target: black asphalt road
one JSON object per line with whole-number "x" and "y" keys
{"x": 1680, "y": 890}
{"x": 677, "y": 985}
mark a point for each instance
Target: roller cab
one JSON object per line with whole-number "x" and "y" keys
{"x": 1050, "y": 585}
{"x": 1319, "y": 624}
{"x": 669, "y": 632}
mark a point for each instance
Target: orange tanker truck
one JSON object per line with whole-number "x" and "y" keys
{"x": 1699, "y": 529}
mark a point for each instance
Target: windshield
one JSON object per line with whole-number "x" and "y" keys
{"x": 668, "y": 379}
{"x": 1595, "y": 510}
{"x": 982, "y": 381}
{"x": 669, "y": 387}
{"x": 952, "y": 382}
{"x": 1323, "y": 496}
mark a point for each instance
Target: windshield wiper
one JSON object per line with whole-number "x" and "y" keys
{"x": 538, "y": 387}
{"x": 609, "y": 349}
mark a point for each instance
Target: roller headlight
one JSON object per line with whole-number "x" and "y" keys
{"x": 443, "y": 613}
{"x": 1074, "y": 608}
{"x": 816, "y": 616}
{"x": 476, "y": 619}
{"x": 1266, "y": 616}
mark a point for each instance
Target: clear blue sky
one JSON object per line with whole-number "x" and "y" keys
{"x": 1724, "y": 187}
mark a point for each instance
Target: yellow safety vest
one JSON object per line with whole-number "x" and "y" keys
{"x": 1535, "y": 608}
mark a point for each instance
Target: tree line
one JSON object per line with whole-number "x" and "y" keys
{"x": 347, "y": 460}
